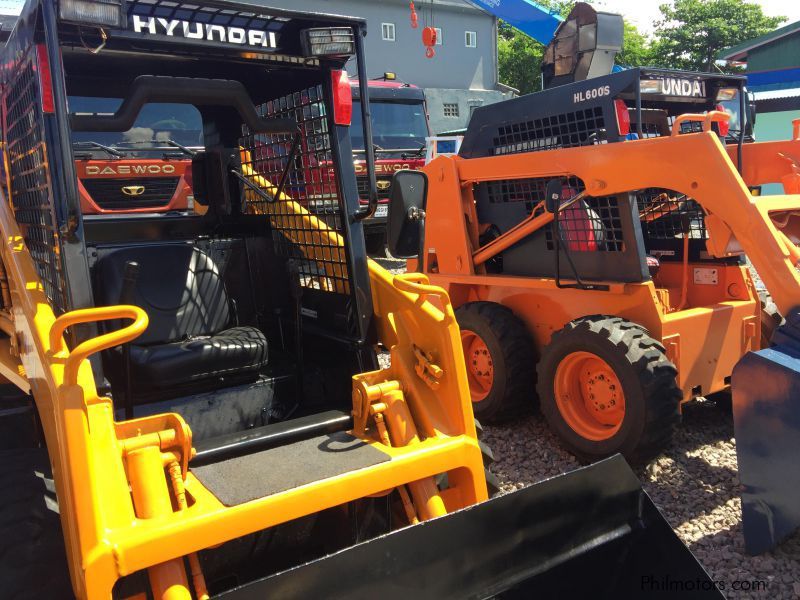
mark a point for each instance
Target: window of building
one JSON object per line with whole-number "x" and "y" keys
{"x": 470, "y": 39}
{"x": 387, "y": 32}
{"x": 438, "y": 36}
{"x": 473, "y": 104}
{"x": 450, "y": 109}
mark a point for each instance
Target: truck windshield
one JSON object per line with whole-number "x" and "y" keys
{"x": 159, "y": 127}
{"x": 395, "y": 125}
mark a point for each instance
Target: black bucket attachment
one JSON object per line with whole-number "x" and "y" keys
{"x": 766, "y": 418}
{"x": 592, "y": 533}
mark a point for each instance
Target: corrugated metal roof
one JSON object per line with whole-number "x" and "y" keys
{"x": 773, "y": 94}
{"x": 739, "y": 52}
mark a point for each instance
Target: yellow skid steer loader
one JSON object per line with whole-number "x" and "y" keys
{"x": 199, "y": 408}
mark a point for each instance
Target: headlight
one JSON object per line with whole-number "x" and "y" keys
{"x": 108, "y": 13}
{"x": 328, "y": 41}
{"x": 726, "y": 94}
{"x": 650, "y": 86}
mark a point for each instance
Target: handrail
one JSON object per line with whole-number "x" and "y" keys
{"x": 96, "y": 344}
{"x": 707, "y": 119}
{"x": 416, "y": 283}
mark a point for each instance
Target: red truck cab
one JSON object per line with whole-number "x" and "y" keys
{"x": 146, "y": 169}
{"x": 399, "y": 129}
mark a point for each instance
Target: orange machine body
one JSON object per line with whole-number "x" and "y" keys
{"x": 707, "y": 314}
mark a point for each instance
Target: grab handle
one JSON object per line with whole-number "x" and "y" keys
{"x": 96, "y": 344}
{"x": 707, "y": 119}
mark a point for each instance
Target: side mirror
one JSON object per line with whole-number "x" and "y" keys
{"x": 552, "y": 198}
{"x": 404, "y": 225}
{"x": 751, "y": 116}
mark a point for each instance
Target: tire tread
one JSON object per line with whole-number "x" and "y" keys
{"x": 31, "y": 540}
{"x": 656, "y": 375}
{"x": 518, "y": 356}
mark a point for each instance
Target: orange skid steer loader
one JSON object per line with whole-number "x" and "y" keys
{"x": 199, "y": 409}
{"x": 594, "y": 249}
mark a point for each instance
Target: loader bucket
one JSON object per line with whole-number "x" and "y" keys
{"x": 592, "y": 533}
{"x": 766, "y": 419}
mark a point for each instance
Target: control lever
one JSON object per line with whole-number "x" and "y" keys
{"x": 129, "y": 279}
{"x": 126, "y": 296}
{"x": 296, "y": 293}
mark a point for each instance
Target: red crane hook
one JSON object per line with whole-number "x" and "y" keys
{"x": 414, "y": 18}
{"x": 429, "y": 40}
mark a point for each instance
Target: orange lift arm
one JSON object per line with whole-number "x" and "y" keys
{"x": 712, "y": 181}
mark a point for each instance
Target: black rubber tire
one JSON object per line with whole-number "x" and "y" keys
{"x": 652, "y": 396}
{"x": 771, "y": 318}
{"x": 506, "y": 336}
{"x": 33, "y": 562}
{"x": 492, "y": 482}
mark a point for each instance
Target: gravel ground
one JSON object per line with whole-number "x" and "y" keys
{"x": 694, "y": 484}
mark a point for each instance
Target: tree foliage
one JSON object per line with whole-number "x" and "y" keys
{"x": 520, "y": 60}
{"x": 637, "y": 49}
{"x": 520, "y": 57}
{"x": 691, "y": 33}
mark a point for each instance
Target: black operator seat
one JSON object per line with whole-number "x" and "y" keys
{"x": 191, "y": 338}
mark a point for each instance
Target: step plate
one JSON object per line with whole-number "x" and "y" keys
{"x": 245, "y": 478}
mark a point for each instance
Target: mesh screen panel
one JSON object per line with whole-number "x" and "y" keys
{"x": 31, "y": 191}
{"x": 307, "y": 219}
{"x": 531, "y": 191}
{"x": 657, "y": 123}
{"x": 589, "y": 225}
{"x": 668, "y": 215}
{"x": 566, "y": 130}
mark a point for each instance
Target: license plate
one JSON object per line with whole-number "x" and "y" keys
{"x": 381, "y": 211}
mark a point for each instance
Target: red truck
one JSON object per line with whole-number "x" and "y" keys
{"x": 399, "y": 129}
{"x": 148, "y": 168}
{"x": 144, "y": 170}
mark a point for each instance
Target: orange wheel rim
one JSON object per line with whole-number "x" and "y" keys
{"x": 480, "y": 366}
{"x": 589, "y": 396}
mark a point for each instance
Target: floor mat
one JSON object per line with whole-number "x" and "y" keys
{"x": 246, "y": 478}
